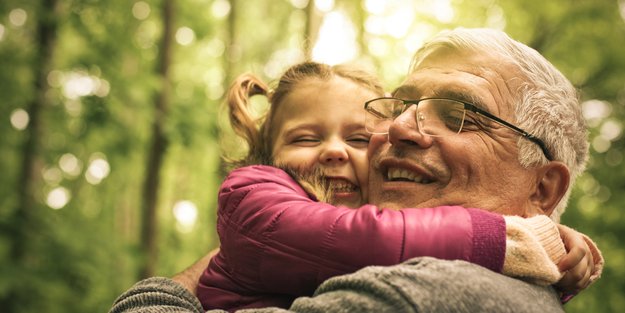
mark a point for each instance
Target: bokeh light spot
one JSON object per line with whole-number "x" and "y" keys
{"x": 141, "y": 10}
{"x": 324, "y": 5}
{"x": 70, "y": 164}
{"x": 58, "y": 198}
{"x": 220, "y": 8}
{"x": 299, "y": 4}
{"x": 98, "y": 170}
{"x": 185, "y": 36}
{"x": 19, "y": 119}
{"x": 185, "y": 213}
{"x": 18, "y": 17}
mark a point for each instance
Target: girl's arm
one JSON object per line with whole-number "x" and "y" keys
{"x": 275, "y": 239}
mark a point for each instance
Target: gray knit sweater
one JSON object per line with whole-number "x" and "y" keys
{"x": 418, "y": 285}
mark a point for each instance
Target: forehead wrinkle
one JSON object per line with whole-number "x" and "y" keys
{"x": 502, "y": 85}
{"x": 446, "y": 89}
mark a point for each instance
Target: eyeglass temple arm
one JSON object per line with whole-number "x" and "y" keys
{"x": 541, "y": 144}
{"x": 523, "y": 133}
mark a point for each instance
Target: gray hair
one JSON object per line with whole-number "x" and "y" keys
{"x": 546, "y": 105}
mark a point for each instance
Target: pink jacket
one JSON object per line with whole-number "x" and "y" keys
{"x": 278, "y": 243}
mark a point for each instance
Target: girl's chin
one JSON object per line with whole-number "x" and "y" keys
{"x": 349, "y": 199}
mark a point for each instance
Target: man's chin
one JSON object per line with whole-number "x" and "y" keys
{"x": 392, "y": 205}
{"x": 395, "y": 199}
{"x": 351, "y": 200}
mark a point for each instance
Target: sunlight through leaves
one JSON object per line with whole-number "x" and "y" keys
{"x": 185, "y": 213}
{"x": 58, "y": 197}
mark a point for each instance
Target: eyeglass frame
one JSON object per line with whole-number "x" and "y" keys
{"x": 473, "y": 108}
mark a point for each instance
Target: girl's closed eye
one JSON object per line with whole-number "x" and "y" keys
{"x": 306, "y": 141}
{"x": 359, "y": 140}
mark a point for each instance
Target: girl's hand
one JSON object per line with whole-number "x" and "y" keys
{"x": 577, "y": 265}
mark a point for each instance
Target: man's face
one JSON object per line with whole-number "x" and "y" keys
{"x": 473, "y": 168}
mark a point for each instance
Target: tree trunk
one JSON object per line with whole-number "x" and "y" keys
{"x": 158, "y": 148}
{"x": 232, "y": 44}
{"x": 228, "y": 69}
{"x": 46, "y": 39}
{"x": 311, "y": 31}
{"x": 24, "y": 218}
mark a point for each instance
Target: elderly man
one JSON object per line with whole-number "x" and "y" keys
{"x": 501, "y": 121}
{"x": 481, "y": 121}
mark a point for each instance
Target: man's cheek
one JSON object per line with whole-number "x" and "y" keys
{"x": 375, "y": 145}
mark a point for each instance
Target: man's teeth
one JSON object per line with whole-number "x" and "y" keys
{"x": 405, "y": 175}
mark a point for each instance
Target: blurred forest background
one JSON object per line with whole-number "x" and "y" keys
{"x": 112, "y": 126}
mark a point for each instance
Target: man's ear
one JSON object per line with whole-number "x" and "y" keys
{"x": 551, "y": 185}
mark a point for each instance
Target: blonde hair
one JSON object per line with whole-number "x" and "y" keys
{"x": 257, "y": 131}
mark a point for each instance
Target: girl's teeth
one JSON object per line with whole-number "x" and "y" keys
{"x": 342, "y": 186}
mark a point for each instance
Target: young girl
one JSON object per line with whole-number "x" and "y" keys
{"x": 278, "y": 242}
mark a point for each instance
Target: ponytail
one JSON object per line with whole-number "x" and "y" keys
{"x": 244, "y": 124}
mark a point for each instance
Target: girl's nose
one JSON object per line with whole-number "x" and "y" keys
{"x": 334, "y": 152}
{"x": 404, "y": 130}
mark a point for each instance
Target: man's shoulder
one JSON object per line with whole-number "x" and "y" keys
{"x": 431, "y": 285}
{"x": 460, "y": 284}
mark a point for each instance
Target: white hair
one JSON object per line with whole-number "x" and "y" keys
{"x": 546, "y": 104}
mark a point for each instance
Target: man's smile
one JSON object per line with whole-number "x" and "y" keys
{"x": 397, "y": 170}
{"x": 399, "y": 174}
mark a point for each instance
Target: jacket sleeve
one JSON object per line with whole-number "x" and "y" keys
{"x": 267, "y": 225}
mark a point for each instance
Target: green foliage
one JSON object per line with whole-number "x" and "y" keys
{"x": 98, "y": 108}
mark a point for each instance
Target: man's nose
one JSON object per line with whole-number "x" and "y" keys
{"x": 334, "y": 152}
{"x": 404, "y": 130}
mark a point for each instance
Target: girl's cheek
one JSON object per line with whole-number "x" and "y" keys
{"x": 363, "y": 180}
{"x": 297, "y": 160}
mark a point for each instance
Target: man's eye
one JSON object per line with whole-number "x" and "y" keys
{"x": 453, "y": 122}
{"x": 471, "y": 123}
{"x": 396, "y": 111}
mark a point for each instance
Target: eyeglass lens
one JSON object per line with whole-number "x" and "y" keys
{"x": 440, "y": 117}
{"x": 435, "y": 117}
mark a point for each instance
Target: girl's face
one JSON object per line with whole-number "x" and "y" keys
{"x": 321, "y": 123}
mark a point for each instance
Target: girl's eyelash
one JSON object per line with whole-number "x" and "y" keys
{"x": 359, "y": 139}
{"x": 351, "y": 138}
{"x": 305, "y": 139}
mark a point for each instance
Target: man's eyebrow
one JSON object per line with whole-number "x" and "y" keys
{"x": 405, "y": 89}
{"x": 462, "y": 96}
{"x": 443, "y": 93}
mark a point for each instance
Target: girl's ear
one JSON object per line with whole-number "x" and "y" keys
{"x": 552, "y": 183}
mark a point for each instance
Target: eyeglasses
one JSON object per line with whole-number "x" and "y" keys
{"x": 436, "y": 117}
